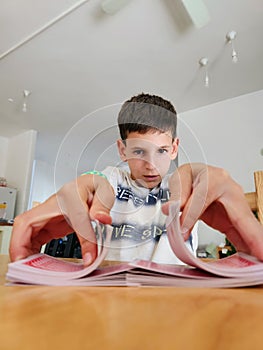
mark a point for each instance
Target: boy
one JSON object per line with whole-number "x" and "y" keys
{"x": 132, "y": 201}
{"x": 148, "y": 144}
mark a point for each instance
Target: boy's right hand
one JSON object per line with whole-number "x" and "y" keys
{"x": 71, "y": 209}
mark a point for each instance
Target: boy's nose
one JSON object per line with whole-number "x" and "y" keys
{"x": 150, "y": 163}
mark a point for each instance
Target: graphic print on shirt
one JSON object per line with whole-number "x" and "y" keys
{"x": 124, "y": 194}
{"x": 140, "y": 231}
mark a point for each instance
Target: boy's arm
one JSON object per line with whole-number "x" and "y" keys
{"x": 208, "y": 193}
{"x": 72, "y": 208}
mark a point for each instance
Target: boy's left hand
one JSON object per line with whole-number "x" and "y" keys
{"x": 211, "y": 195}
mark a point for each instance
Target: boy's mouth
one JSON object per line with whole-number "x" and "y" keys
{"x": 151, "y": 177}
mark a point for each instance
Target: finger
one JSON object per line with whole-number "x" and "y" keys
{"x": 102, "y": 203}
{"x": 244, "y": 221}
{"x": 72, "y": 200}
{"x": 196, "y": 204}
{"x": 232, "y": 215}
{"x": 190, "y": 185}
{"x": 84, "y": 200}
{"x": 89, "y": 248}
{"x": 180, "y": 185}
{"x": 80, "y": 222}
{"x": 248, "y": 238}
{"x": 20, "y": 245}
{"x": 27, "y": 225}
{"x": 208, "y": 185}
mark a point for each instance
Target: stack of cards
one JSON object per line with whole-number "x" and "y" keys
{"x": 238, "y": 270}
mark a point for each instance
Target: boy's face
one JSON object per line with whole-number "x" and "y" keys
{"x": 148, "y": 156}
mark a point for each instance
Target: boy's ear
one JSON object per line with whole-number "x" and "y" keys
{"x": 175, "y": 146}
{"x": 122, "y": 149}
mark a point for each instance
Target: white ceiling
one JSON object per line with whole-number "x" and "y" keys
{"x": 89, "y": 60}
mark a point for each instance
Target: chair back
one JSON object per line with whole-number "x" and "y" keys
{"x": 255, "y": 199}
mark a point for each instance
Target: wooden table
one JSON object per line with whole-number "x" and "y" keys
{"x": 40, "y": 317}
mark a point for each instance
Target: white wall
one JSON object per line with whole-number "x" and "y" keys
{"x": 3, "y": 155}
{"x": 42, "y": 183}
{"x": 230, "y": 135}
{"x": 19, "y": 161}
{"x": 227, "y": 134}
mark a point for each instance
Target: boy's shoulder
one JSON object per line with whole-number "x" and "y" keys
{"x": 117, "y": 175}
{"x": 113, "y": 171}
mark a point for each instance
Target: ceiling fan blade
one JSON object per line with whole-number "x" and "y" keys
{"x": 113, "y": 6}
{"x": 197, "y": 11}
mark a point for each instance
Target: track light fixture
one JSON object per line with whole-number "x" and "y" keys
{"x": 26, "y": 93}
{"x": 204, "y": 63}
{"x": 230, "y": 37}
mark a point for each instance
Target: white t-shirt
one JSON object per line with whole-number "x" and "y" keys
{"x": 138, "y": 223}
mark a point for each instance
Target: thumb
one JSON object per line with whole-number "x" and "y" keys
{"x": 88, "y": 249}
{"x": 165, "y": 208}
{"x": 102, "y": 203}
{"x": 180, "y": 185}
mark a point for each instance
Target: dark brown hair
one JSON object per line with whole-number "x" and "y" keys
{"x": 144, "y": 112}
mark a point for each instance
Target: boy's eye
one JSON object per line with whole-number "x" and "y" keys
{"x": 138, "y": 152}
{"x": 162, "y": 150}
